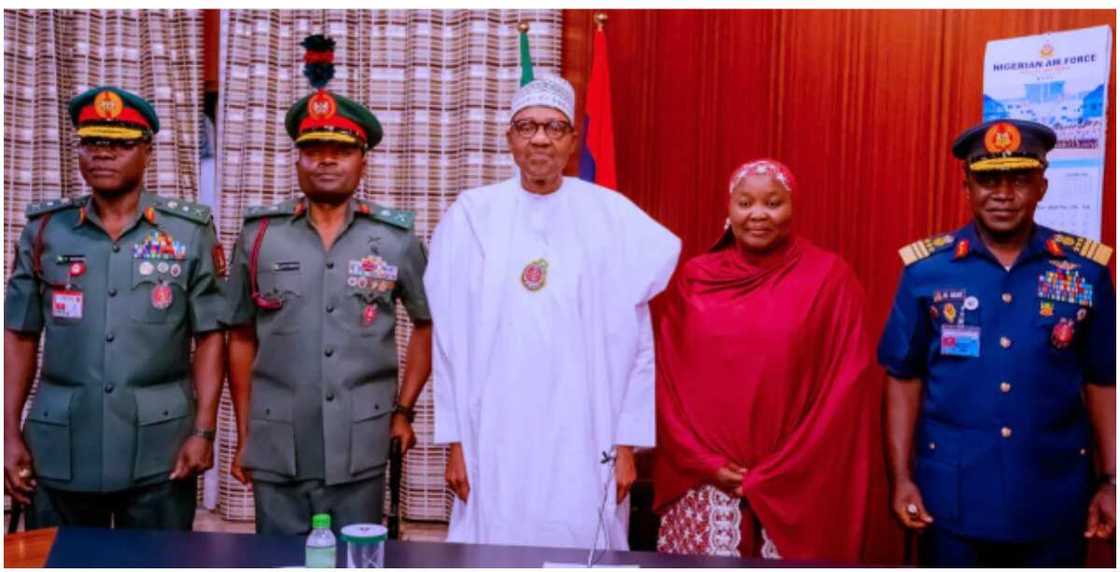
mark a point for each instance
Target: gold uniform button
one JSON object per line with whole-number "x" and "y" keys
{"x": 1005, "y": 387}
{"x": 1004, "y": 342}
{"x": 1083, "y": 452}
{"x": 932, "y": 445}
{"x": 1006, "y": 432}
{"x": 1006, "y": 297}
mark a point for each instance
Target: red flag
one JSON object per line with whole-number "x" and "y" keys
{"x": 596, "y": 163}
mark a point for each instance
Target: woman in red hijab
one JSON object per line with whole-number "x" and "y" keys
{"x": 768, "y": 408}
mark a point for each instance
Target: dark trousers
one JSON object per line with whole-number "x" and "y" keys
{"x": 169, "y": 505}
{"x": 287, "y": 508}
{"x": 943, "y": 549}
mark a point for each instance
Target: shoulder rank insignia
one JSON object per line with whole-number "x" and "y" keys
{"x": 921, "y": 249}
{"x": 285, "y": 208}
{"x": 396, "y": 217}
{"x": 191, "y": 211}
{"x": 1090, "y": 249}
{"x": 43, "y": 207}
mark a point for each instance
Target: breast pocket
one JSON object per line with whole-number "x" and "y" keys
{"x": 62, "y": 306}
{"x": 1061, "y": 325}
{"x": 159, "y": 290}
{"x": 285, "y": 285}
{"x": 368, "y": 312}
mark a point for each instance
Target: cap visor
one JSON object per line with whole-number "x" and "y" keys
{"x": 330, "y": 136}
{"x": 111, "y": 132}
{"x": 1005, "y": 164}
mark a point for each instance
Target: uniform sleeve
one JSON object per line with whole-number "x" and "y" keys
{"x": 410, "y": 280}
{"x": 23, "y": 300}
{"x": 207, "y": 303}
{"x": 239, "y": 307}
{"x": 902, "y": 349}
{"x": 1100, "y": 350}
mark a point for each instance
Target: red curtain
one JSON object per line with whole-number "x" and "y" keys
{"x": 861, "y": 104}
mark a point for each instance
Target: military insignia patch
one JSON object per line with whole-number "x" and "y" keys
{"x": 108, "y": 105}
{"x": 949, "y": 311}
{"x": 322, "y": 105}
{"x": 159, "y": 246}
{"x": 1062, "y": 334}
{"x": 961, "y": 249}
{"x": 1065, "y": 265}
{"x": 535, "y": 275}
{"x": 921, "y": 249}
{"x": 218, "y": 256}
{"x": 162, "y": 296}
{"x": 1002, "y": 138}
{"x": 1046, "y": 309}
{"x": 1054, "y": 248}
{"x": 369, "y": 314}
{"x": 1065, "y": 286}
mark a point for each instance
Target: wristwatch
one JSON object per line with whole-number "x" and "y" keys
{"x": 207, "y": 434}
{"x": 408, "y": 412}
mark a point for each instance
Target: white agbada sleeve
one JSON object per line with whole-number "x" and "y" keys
{"x": 650, "y": 253}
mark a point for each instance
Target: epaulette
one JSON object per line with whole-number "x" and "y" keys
{"x": 921, "y": 249}
{"x": 43, "y": 207}
{"x": 189, "y": 210}
{"x": 284, "y": 208}
{"x": 395, "y": 217}
{"x": 1090, "y": 249}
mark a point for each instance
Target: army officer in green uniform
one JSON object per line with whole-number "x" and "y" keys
{"x": 313, "y": 288}
{"x": 118, "y": 282}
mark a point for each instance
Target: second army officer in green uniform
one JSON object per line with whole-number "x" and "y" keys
{"x": 313, "y": 288}
{"x": 120, "y": 281}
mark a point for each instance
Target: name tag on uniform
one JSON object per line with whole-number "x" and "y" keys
{"x": 963, "y": 341}
{"x": 66, "y": 304}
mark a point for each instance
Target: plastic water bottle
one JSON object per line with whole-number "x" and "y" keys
{"x": 320, "y": 543}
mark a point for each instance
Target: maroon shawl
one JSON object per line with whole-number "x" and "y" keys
{"x": 768, "y": 364}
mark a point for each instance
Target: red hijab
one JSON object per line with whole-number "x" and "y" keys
{"x": 766, "y": 363}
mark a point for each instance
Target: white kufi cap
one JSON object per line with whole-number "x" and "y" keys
{"x": 546, "y": 91}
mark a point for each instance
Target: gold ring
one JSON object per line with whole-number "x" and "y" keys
{"x": 24, "y": 473}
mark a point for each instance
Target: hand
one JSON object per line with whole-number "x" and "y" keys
{"x": 625, "y": 472}
{"x": 19, "y": 480}
{"x": 238, "y": 472}
{"x": 456, "y": 474}
{"x": 195, "y": 456}
{"x": 729, "y": 479}
{"x": 908, "y": 507}
{"x": 401, "y": 430}
{"x": 1102, "y": 513}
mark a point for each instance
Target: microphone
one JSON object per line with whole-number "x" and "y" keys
{"x": 606, "y": 458}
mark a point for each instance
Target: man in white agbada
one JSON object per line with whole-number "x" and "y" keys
{"x": 539, "y": 289}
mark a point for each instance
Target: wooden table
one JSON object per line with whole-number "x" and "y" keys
{"x": 28, "y": 549}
